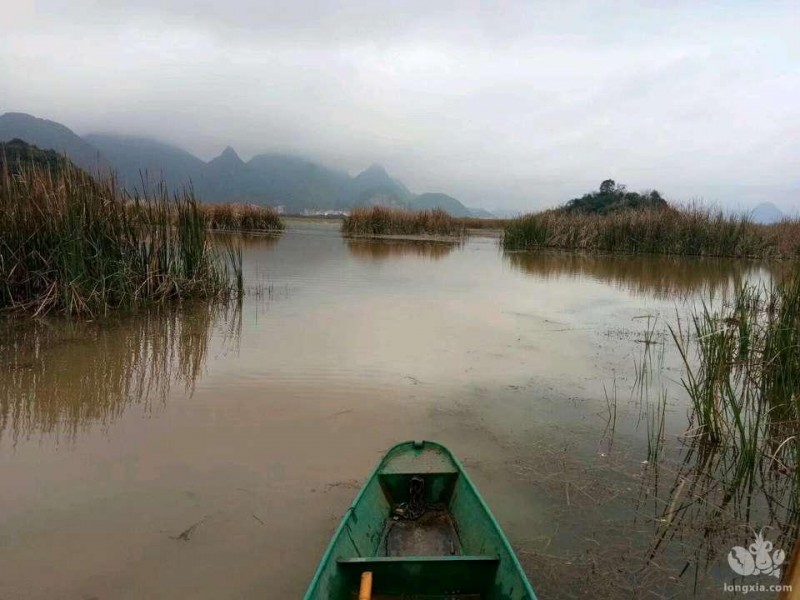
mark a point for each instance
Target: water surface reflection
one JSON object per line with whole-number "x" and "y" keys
{"x": 520, "y": 363}
{"x": 57, "y": 376}
{"x": 663, "y": 277}
{"x": 381, "y": 249}
{"x": 716, "y": 493}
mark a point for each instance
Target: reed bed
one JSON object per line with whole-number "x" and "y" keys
{"x": 484, "y": 223}
{"x": 73, "y": 244}
{"x": 687, "y": 231}
{"x": 741, "y": 452}
{"x": 241, "y": 217}
{"x": 379, "y": 220}
{"x": 742, "y": 366}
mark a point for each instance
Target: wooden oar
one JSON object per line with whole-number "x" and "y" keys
{"x": 365, "y": 592}
{"x": 792, "y": 575}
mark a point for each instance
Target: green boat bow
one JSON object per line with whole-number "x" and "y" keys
{"x": 422, "y": 529}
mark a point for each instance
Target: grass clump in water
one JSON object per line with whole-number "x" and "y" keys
{"x": 744, "y": 380}
{"x": 741, "y": 453}
{"x": 241, "y": 217}
{"x": 77, "y": 245}
{"x": 380, "y": 220}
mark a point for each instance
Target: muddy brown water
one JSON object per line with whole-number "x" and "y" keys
{"x": 209, "y": 453}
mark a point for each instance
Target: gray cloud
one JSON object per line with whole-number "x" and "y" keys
{"x": 499, "y": 103}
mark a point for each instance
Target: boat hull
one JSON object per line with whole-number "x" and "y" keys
{"x": 420, "y": 526}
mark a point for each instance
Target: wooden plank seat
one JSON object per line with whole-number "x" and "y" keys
{"x": 436, "y": 575}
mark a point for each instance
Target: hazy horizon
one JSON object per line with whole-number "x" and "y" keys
{"x": 517, "y": 108}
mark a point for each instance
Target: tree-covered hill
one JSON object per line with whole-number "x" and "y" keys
{"x": 612, "y": 198}
{"x": 17, "y": 155}
{"x": 50, "y": 135}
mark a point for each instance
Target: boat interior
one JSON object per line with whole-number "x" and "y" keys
{"x": 420, "y": 542}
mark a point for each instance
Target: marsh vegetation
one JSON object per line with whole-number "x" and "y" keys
{"x": 79, "y": 245}
{"x": 614, "y": 220}
{"x": 690, "y": 231}
{"x": 736, "y": 471}
{"x": 744, "y": 377}
{"x": 241, "y": 217}
{"x": 379, "y": 220}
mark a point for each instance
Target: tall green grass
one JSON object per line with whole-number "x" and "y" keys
{"x": 685, "y": 231}
{"x": 380, "y": 220}
{"x": 741, "y": 453}
{"x": 77, "y": 245}
{"x": 742, "y": 364}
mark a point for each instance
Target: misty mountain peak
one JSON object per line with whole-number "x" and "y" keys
{"x": 374, "y": 171}
{"x": 767, "y": 213}
{"x": 230, "y": 154}
{"x": 374, "y": 180}
{"x": 375, "y": 175}
{"x": 228, "y": 157}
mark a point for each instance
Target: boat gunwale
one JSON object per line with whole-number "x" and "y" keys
{"x": 413, "y": 444}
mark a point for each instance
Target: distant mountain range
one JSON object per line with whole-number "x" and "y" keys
{"x": 49, "y": 135}
{"x": 269, "y": 179}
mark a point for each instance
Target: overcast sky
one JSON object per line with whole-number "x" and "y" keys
{"x": 501, "y": 104}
